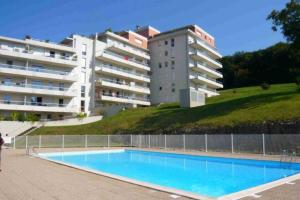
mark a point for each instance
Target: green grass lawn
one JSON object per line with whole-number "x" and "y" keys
{"x": 233, "y": 107}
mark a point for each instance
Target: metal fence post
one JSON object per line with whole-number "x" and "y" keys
{"x": 63, "y": 141}
{"x": 205, "y": 142}
{"x": 86, "y": 142}
{"x": 40, "y": 141}
{"x": 232, "y": 147}
{"x": 14, "y": 142}
{"x": 130, "y": 140}
{"x": 184, "y": 142}
{"x": 149, "y": 141}
{"x": 264, "y": 145}
{"x": 165, "y": 141}
{"x": 108, "y": 141}
{"x": 26, "y": 141}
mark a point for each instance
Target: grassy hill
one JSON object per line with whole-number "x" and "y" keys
{"x": 233, "y": 107}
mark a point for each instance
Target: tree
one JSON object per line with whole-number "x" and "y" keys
{"x": 288, "y": 20}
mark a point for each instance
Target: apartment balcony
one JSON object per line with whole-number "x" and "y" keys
{"x": 127, "y": 49}
{"x": 122, "y": 60}
{"x": 58, "y": 60}
{"x": 209, "y": 91}
{"x": 202, "y": 45}
{"x": 36, "y": 107}
{"x": 204, "y": 57}
{"x": 37, "y": 89}
{"x": 202, "y": 79}
{"x": 119, "y": 72}
{"x": 123, "y": 86}
{"x": 205, "y": 68}
{"x": 124, "y": 99}
{"x": 37, "y": 73}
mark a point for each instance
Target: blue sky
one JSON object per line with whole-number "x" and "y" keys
{"x": 237, "y": 25}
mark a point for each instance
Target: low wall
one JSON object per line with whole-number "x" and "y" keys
{"x": 73, "y": 121}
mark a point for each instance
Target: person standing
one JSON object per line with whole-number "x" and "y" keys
{"x": 1, "y": 143}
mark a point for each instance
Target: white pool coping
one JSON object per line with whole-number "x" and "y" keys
{"x": 232, "y": 196}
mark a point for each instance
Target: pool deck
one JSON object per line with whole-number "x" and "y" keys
{"x": 25, "y": 177}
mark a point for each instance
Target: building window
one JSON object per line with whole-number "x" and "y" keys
{"x": 172, "y": 42}
{"x": 82, "y": 91}
{"x": 173, "y": 89}
{"x": 52, "y": 54}
{"x": 9, "y": 62}
{"x": 60, "y": 102}
{"x": 82, "y": 106}
{"x": 160, "y": 88}
{"x": 61, "y": 86}
{"x": 7, "y": 99}
{"x": 166, "y": 53}
{"x": 83, "y": 62}
{"x": 173, "y": 64}
{"x": 159, "y": 65}
{"x": 166, "y": 42}
{"x": 166, "y": 64}
{"x": 84, "y": 49}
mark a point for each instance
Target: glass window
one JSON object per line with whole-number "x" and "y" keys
{"x": 7, "y": 99}
{"x": 82, "y": 106}
{"x": 160, "y": 88}
{"x": 9, "y": 62}
{"x": 61, "y": 86}
{"x": 166, "y": 53}
{"x": 166, "y": 64}
{"x": 52, "y": 54}
{"x": 172, "y": 42}
{"x": 82, "y": 91}
{"x": 166, "y": 42}
{"x": 84, "y": 49}
{"x": 159, "y": 65}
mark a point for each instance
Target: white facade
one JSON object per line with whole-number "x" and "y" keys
{"x": 105, "y": 72}
{"x": 180, "y": 59}
{"x": 86, "y": 74}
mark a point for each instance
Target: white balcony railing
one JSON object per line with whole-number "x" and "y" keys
{"x": 34, "y": 69}
{"x": 124, "y": 70}
{"x": 130, "y": 49}
{"x": 206, "y": 77}
{"x": 207, "y": 66}
{"x": 126, "y": 97}
{"x": 26, "y": 51}
{"x": 125, "y": 58}
{"x": 123, "y": 83}
{"x": 34, "y": 86}
{"x": 32, "y": 103}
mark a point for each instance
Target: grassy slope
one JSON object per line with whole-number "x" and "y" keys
{"x": 232, "y": 107}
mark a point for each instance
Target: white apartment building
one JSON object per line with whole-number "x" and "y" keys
{"x": 81, "y": 74}
{"x": 183, "y": 58}
{"x": 105, "y": 72}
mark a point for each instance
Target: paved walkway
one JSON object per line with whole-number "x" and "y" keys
{"x": 27, "y": 178}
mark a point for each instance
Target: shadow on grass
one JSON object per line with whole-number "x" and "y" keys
{"x": 168, "y": 117}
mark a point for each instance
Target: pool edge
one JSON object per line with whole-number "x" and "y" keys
{"x": 232, "y": 196}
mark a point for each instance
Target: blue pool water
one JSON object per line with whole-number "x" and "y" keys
{"x": 201, "y": 175}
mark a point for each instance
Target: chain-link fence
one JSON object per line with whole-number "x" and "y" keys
{"x": 234, "y": 143}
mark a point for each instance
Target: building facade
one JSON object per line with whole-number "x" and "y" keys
{"x": 183, "y": 58}
{"x": 105, "y": 72}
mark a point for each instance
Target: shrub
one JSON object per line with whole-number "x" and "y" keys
{"x": 81, "y": 115}
{"x": 14, "y": 116}
{"x": 32, "y": 117}
{"x": 265, "y": 86}
{"x": 2, "y": 118}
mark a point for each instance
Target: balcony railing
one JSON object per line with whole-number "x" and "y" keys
{"x": 34, "y": 86}
{"x": 27, "y": 103}
{"x": 207, "y": 66}
{"x": 125, "y": 97}
{"x": 27, "y": 51}
{"x": 123, "y": 83}
{"x": 126, "y": 58}
{"x": 50, "y": 42}
{"x": 205, "y": 54}
{"x": 122, "y": 45}
{"x": 34, "y": 69}
{"x": 204, "y": 43}
{"x": 207, "y": 77}
{"x": 124, "y": 70}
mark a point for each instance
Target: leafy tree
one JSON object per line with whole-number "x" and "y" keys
{"x": 14, "y": 116}
{"x": 288, "y": 20}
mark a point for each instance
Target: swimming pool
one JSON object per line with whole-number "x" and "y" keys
{"x": 199, "y": 175}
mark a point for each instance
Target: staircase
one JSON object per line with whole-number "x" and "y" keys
{"x": 14, "y": 128}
